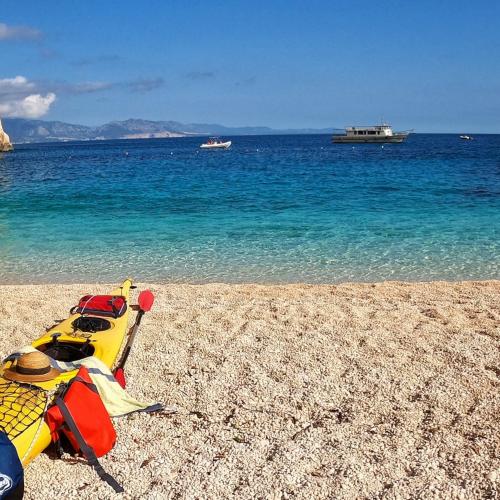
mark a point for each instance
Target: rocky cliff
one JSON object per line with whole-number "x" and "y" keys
{"x": 5, "y": 144}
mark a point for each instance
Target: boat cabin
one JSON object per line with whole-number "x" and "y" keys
{"x": 380, "y": 130}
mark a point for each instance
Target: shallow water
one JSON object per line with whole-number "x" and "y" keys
{"x": 272, "y": 209}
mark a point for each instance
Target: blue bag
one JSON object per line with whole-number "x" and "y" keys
{"x": 11, "y": 471}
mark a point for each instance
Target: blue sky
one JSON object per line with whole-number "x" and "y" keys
{"x": 429, "y": 65}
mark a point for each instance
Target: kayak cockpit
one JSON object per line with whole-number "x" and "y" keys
{"x": 67, "y": 351}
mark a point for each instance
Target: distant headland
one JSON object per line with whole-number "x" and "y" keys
{"x": 23, "y": 130}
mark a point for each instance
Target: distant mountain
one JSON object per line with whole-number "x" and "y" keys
{"x": 22, "y": 130}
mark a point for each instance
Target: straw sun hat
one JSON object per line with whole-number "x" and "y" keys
{"x": 31, "y": 367}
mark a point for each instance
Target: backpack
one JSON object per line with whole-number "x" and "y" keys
{"x": 11, "y": 471}
{"x": 80, "y": 415}
{"x": 113, "y": 306}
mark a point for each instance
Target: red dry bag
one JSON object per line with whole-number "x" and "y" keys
{"x": 101, "y": 305}
{"x": 81, "y": 416}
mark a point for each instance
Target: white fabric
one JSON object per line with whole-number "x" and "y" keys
{"x": 116, "y": 400}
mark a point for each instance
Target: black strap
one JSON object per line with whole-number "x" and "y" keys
{"x": 58, "y": 446}
{"x": 89, "y": 385}
{"x": 87, "y": 451}
{"x": 116, "y": 311}
{"x": 112, "y": 304}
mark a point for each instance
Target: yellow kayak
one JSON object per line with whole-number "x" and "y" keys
{"x": 22, "y": 406}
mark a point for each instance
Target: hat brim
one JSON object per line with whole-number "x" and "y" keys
{"x": 13, "y": 375}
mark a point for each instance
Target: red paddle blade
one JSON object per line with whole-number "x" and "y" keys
{"x": 120, "y": 377}
{"x": 146, "y": 299}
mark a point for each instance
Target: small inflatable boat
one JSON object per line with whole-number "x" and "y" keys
{"x": 215, "y": 143}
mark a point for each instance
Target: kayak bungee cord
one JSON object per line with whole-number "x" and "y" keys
{"x": 50, "y": 395}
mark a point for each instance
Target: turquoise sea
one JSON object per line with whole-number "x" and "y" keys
{"x": 272, "y": 209}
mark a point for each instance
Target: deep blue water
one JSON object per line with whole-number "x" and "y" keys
{"x": 271, "y": 209}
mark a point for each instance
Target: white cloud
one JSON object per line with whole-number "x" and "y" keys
{"x": 23, "y": 98}
{"x": 15, "y": 85}
{"x": 32, "y": 106}
{"x": 88, "y": 87}
{"x": 18, "y": 32}
{"x": 143, "y": 85}
{"x": 18, "y": 97}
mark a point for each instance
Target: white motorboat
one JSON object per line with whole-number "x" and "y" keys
{"x": 466, "y": 137}
{"x": 215, "y": 143}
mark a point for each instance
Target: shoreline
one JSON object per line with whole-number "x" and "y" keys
{"x": 337, "y": 390}
{"x": 250, "y": 283}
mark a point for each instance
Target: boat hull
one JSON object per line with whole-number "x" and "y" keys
{"x": 395, "y": 138}
{"x": 221, "y": 145}
{"x": 107, "y": 344}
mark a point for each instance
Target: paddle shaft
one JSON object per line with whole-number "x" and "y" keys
{"x": 130, "y": 340}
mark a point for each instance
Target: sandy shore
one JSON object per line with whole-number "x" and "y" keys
{"x": 384, "y": 390}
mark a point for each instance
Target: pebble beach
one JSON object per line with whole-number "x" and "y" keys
{"x": 384, "y": 390}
